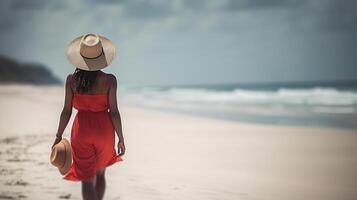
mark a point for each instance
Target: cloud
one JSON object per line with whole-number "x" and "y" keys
{"x": 340, "y": 16}
{"x": 35, "y": 4}
{"x": 147, "y": 9}
{"x": 258, "y": 4}
{"x": 158, "y": 38}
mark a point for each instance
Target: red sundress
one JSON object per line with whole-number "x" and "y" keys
{"x": 92, "y": 137}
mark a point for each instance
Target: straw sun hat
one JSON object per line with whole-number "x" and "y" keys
{"x": 90, "y": 52}
{"x": 61, "y": 156}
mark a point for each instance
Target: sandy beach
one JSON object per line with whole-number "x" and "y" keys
{"x": 175, "y": 156}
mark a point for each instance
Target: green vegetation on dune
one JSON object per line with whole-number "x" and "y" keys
{"x": 12, "y": 71}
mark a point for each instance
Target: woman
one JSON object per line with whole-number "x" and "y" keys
{"x": 93, "y": 93}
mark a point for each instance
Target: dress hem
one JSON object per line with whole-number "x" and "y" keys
{"x": 72, "y": 176}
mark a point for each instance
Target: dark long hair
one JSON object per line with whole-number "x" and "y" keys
{"x": 84, "y": 80}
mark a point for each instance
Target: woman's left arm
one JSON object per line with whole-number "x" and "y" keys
{"x": 66, "y": 111}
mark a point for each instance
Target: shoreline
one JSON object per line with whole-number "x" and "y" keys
{"x": 227, "y": 119}
{"x": 176, "y": 156}
{"x": 57, "y": 91}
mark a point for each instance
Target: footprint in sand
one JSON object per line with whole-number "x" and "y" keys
{"x": 12, "y": 195}
{"x": 9, "y": 140}
{"x": 65, "y": 196}
{"x": 18, "y": 182}
{"x": 21, "y": 159}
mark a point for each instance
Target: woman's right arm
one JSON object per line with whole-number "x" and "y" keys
{"x": 115, "y": 114}
{"x": 66, "y": 111}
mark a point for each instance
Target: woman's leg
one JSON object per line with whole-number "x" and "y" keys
{"x": 100, "y": 184}
{"x": 88, "y": 191}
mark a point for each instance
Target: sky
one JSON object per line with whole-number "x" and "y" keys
{"x": 178, "y": 42}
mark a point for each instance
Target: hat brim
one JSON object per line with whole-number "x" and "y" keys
{"x": 89, "y": 64}
{"x": 68, "y": 161}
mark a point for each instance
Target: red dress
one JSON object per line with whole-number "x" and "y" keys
{"x": 92, "y": 137}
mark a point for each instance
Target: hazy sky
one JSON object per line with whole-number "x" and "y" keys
{"x": 192, "y": 41}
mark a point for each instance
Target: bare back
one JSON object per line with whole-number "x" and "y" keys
{"x": 105, "y": 84}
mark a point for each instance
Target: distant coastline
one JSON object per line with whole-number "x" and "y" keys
{"x": 13, "y": 72}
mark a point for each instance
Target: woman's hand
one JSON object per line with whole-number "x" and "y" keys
{"x": 121, "y": 148}
{"x": 57, "y": 140}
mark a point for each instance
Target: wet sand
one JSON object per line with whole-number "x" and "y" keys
{"x": 176, "y": 156}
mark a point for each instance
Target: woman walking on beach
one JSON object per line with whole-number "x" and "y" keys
{"x": 93, "y": 93}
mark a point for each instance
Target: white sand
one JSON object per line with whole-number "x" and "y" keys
{"x": 174, "y": 156}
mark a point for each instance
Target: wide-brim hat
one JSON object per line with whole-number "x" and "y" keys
{"x": 91, "y": 52}
{"x": 61, "y": 156}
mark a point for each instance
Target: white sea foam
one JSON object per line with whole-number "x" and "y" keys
{"x": 313, "y": 106}
{"x": 313, "y": 96}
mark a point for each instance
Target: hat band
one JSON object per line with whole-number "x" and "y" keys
{"x": 93, "y": 57}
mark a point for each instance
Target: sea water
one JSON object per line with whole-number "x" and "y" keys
{"x": 307, "y": 104}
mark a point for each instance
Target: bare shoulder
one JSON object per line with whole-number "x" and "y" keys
{"x": 112, "y": 79}
{"x": 69, "y": 79}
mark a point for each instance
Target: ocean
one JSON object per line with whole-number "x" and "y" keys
{"x": 319, "y": 104}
